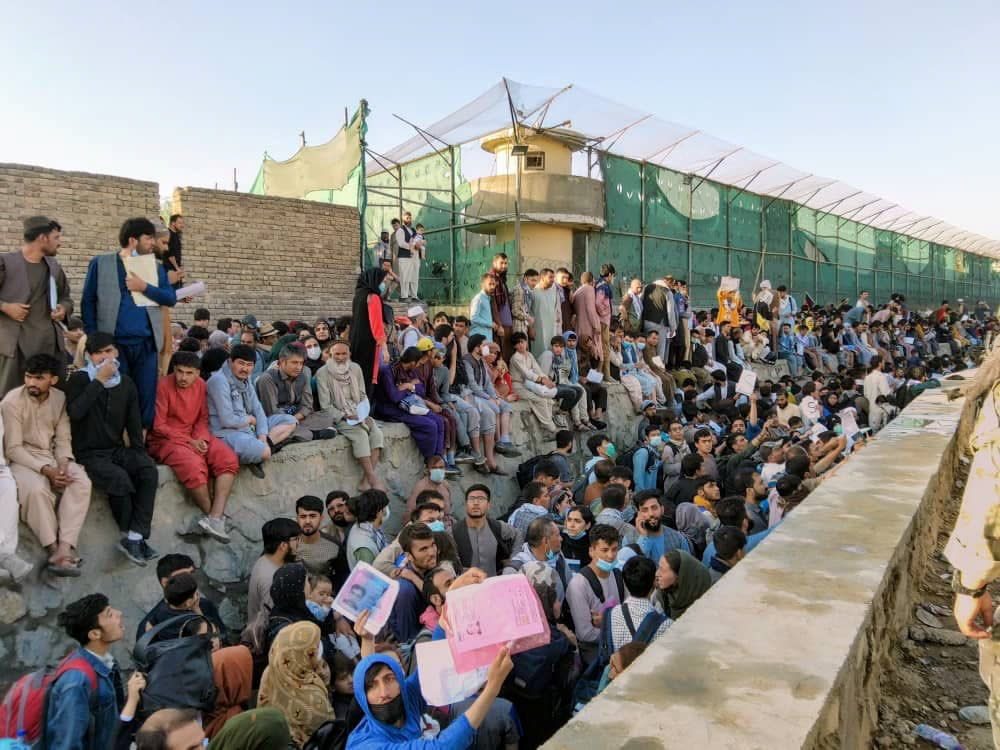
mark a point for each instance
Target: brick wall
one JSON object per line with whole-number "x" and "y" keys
{"x": 278, "y": 258}
{"x": 90, "y": 207}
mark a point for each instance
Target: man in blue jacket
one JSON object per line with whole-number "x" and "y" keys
{"x": 73, "y": 704}
{"x": 107, "y": 305}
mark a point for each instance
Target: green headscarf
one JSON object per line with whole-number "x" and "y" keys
{"x": 260, "y": 729}
{"x": 693, "y": 580}
{"x": 279, "y": 345}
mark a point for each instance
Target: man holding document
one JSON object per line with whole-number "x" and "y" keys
{"x": 123, "y": 295}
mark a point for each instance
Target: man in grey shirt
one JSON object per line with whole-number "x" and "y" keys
{"x": 281, "y": 540}
{"x": 483, "y": 542}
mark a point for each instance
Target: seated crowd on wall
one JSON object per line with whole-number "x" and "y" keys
{"x": 617, "y": 541}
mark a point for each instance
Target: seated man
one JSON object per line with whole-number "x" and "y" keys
{"x": 341, "y": 391}
{"x": 572, "y": 398}
{"x": 286, "y": 389}
{"x": 236, "y": 416}
{"x": 12, "y": 567}
{"x": 167, "y": 568}
{"x": 532, "y": 384}
{"x": 103, "y": 405}
{"x": 180, "y": 439}
{"x": 417, "y": 541}
{"x": 37, "y": 444}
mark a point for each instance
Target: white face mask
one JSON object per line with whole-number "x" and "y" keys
{"x": 484, "y": 350}
{"x": 313, "y": 352}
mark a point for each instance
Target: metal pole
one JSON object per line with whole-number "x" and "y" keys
{"x": 642, "y": 220}
{"x": 451, "y": 233}
{"x": 517, "y": 212}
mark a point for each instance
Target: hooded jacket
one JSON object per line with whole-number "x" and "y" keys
{"x": 372, "y": 734}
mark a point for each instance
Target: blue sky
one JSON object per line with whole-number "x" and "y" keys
{"x": 897, "y": 98}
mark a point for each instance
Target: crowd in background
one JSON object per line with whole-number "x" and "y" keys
{"x": 617, "y": 538}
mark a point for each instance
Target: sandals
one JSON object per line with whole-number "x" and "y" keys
{"x": 65, "y": 566}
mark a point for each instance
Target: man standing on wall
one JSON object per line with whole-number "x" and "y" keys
{"x": 107, "y": 305}
{"x": 34, "y": 297}
{"x": 172, "y": 258}
{"x": 503, "y": 322}
{"x": 409, "y": 260}
{"x": 659, "y": 313}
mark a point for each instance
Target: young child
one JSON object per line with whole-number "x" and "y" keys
{"x": 419, "y": 243}
{"x": 342, "y": 684}
{"x": 320, "y": 597}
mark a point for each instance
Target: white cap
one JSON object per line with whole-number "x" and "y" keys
{"x": 414, "y": 312}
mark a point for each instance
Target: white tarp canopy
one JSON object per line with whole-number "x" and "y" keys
{"x": 624, "y": 131}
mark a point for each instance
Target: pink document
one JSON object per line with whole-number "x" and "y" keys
{"x": 485, "y": 617}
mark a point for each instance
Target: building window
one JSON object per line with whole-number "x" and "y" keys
{"x": 534, "y": 161}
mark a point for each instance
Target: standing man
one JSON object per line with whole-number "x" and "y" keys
{"x": 107, "y": 305}
{"x": 503, "y": 321}
{"x": 38, "y": 446}
{"x": 546, "y": 312}
{"x": 103, "y": 406}
{"x": 605, "y": 301}
{"x": 34, "y": 296}
{"x": 520, "y": 304}
{"x": 481, "y": 309}
{"x": 180, "y": 438}
{"x": 681, "y": 343}
{"x": 659, "y": 313}
{"x": 172, "y": 258}
{"x": 409, "y": 260}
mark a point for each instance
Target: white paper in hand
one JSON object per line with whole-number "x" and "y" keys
{"x": 594, "y": 376}
{"x": 440, "y": 682}
{"x": 53, "y": 294}
{"x": 191, "y": 290}
{"x": 143, "y": 266}
{"x": 848, "y": 421}
{"x": 747, "y": 381}
{"x": 658, "y": 361}
{"x": 364, "y": 409}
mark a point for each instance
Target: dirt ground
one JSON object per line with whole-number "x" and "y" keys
{"x": 928, "y": 682}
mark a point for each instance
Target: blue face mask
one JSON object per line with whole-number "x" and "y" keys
{"x": 606, "y": 566}
{"x": 550, "y": 555}
{"x": 381, "y": 288}
{"x": 436, "y": 525}
{"x": 318, "y": 611}
{"x": 437, "y": 475}
{"x": 578, "y": 535}
{"x": 656, "y": 442}
{"x": 640, "y": 345}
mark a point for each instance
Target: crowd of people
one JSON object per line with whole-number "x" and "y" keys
{"x": 617, "y": 541}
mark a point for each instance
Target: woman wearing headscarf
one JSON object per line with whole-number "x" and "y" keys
{"x": 681, "y": 580}
{"x": 396, "y": 382}
{"x": 260, "y": 729}
{"x": 370, "y": 327}
{"x": 232, "y": 672}
{"x": 692, "y": 523}
{"x": 289, "y": 589}
{"x": 296, "y": 681}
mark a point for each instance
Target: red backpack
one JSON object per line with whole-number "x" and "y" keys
{"x": 26, "y": 703}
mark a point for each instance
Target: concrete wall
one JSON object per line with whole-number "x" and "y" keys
{"x": 90, "y": 207}
{"x": 787, "y": 650}
{"x": 278, "y": 258}
{"x": 29, "y": 636}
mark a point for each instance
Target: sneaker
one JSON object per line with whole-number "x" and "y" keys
{"x": 257, "y": 470}
{"x": 16, "y": 567}
{"x": 599, "y": 424}
{"x": 215, "y": 528}
{"x": 132, "y": 549}
{"x": 465, "y": 457}
{"x": 507, "y": 449}
{"x": 452, "y": 472}
{"x": 478, "y": 459}
{"x": 148, "y": 553}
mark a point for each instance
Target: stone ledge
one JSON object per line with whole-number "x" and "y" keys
{"x": 786, "y": 651}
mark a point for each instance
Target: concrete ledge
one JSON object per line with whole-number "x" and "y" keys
{"x": 29, "y": 637}
{"x": 786, "y": 651}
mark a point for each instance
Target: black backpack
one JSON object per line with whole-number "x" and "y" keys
{"x": 178, "y": 671}
{"x": 330, "y": 735}
{"x": 526, "y": 470}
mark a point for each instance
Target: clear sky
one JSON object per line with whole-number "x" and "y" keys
{"x": 898, "y": 98}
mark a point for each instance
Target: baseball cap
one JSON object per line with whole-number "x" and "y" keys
{"x": 249, "y": 320}
{"x": 424, "y": 344}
